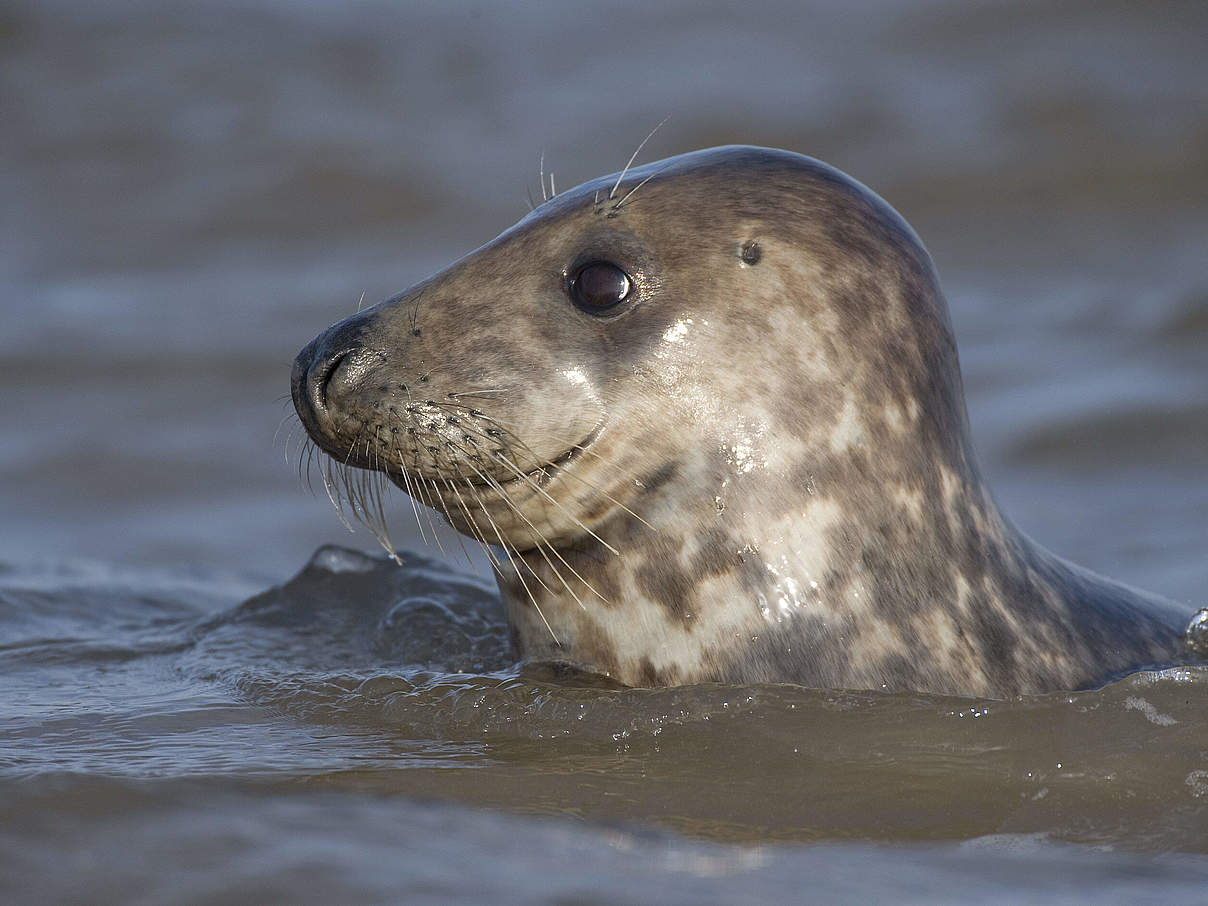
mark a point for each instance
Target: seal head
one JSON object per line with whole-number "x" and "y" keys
{"x": 708, "y": 413}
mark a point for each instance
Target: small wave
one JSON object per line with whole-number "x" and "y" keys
{"x": 359, "y": 674}
{"x": 346, "y": 611}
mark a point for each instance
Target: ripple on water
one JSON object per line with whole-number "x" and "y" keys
{"x": 361, "y": 676}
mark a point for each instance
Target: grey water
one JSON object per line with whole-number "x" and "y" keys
{"x": 201, "y": 700}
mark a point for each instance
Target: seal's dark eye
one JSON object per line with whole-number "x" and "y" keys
{"x": 599, "y": 286}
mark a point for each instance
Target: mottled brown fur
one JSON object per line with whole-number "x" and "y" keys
{"x": 779, "y": 400}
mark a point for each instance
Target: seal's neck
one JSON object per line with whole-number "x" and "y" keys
{"x": 851, "y": 571}
{"x": 738, "y": 543}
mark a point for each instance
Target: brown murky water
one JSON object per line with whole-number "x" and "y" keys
{"x": 191, "y": 192}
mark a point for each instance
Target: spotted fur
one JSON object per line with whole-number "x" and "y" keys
{"x": 758, "y": 470}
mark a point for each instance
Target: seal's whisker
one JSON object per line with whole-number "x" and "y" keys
{"x": 541, "y": 174}
{"x": 475, "y": 528}
{"x": 314, "y": 460}
{"x": 295, "y": 429}
{"x": 290, "y": 440}
{"x": 348, "y": 478}
{"x": 333, "y": 494}
{"x": 364, "y": 480}
{"x": 519, "y": 442}
{"x": 311, "y": 449}
{"x": 423, "y": 484}
{"x": 565, "y": 584}
{"x": 616, "y": 207}
{"x": 277, "y": 433}
{"x": 633, "y": 157}
{"x": 368, "y": 507}
{"x": 529, "y": 569}
{"x": 572, "y": 474}
{"x": 363, "y": 491}
{"x": 449, "y": 517}
{"x": 459, "y": 394}
{"x": 473, "y": 489}
{"x": 413, "y": 315}
{"x": 504, "y": 496}
{"x": 472, "y": 522}
{"x": 411, "y": 496}
{"x": 356, "y": 486}
{"x": 540, "y": 463}
{"x": 302, "y": 451}
{"x": 381, "y": 527}
{"x": 524, "y": 476}
{"x": 414, "y": 491}
{"x": 532, "y": 598}
{"x": 304, "y": 457}
{"x": 351, "y": 449}
{"x": 499, "y": 490}
{"x": 331, "y": 485}
{"x": 360, "y": 301}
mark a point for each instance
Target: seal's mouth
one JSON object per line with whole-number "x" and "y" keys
{"x": 545, "y": 474}
{"x": 539, "y": 477}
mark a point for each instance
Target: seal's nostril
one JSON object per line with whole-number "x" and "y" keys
{"x": 321, "y": 373}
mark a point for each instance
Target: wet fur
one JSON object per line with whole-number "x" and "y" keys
{"x": 763, "y": 467}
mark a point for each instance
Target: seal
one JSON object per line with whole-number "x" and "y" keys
{"x": 708, "y": 415}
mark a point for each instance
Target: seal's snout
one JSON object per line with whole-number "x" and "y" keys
{"x": 309, "y": 380}
{"x": 329, "y": 369}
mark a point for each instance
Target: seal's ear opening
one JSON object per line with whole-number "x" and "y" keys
{"x": 750, "y": 253}
{"x": 599, "y": 286}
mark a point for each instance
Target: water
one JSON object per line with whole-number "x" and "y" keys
{"x": 191, "y": 193}
{"x": 317, "y": 735}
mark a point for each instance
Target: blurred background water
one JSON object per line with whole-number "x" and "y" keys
{"x": 191, "y": 191}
